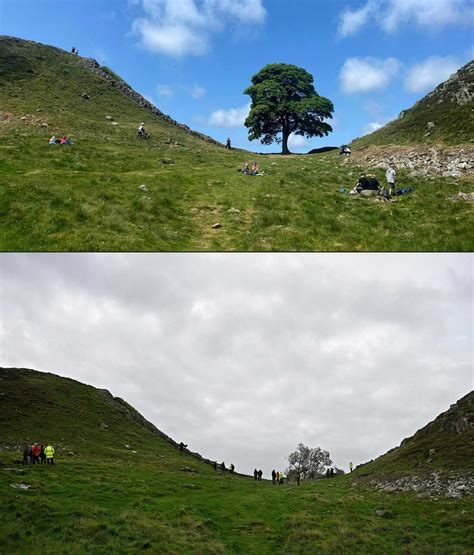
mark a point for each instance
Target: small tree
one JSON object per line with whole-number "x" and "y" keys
{"x": 306, "y": 463}
{"x": 284, "y": 101}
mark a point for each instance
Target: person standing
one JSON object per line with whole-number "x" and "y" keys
{"x": 351, "y": 466}
{"x": 232, "y": 468}
{"x": 390, "y": 175}
{"x": 260, "y": 474}
{"x": 255, "y": 474}
{"x": 49, "y": 452}
{"x": 274, "y": 476}
{"x": 35, "y": 453}
{"x": 228, "y": 144}
{"x": 26, "y": 453}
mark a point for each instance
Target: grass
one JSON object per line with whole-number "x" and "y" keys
{"x": 86, "y": 197}
{"x": 100, "y": 497}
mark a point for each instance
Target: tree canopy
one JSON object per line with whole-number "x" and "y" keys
{"x": 284, "y": 101}
{"x": 306, "y": 463}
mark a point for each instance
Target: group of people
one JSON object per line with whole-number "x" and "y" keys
{"x": 74, "y": 51}
{"x": 60, "y": 140}
{"x": 251, "y": 171}
{"x": 345, "y": 151}
{"x": 257, "y": 474}
{"x": 278, "y": 477}
{"x": 369, "y": 182}
{"x": 38, "y": 454}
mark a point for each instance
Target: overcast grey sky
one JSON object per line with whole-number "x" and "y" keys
{"x": 243, "y": 356}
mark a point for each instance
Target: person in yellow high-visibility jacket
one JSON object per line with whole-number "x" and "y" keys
{"x": 49, "y": 452}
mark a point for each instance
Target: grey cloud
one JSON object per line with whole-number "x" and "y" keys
{"x": 244, "y": 356}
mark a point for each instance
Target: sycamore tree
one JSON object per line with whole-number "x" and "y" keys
{"x": 284, "y": 101}
{"x": 306, "y": 463}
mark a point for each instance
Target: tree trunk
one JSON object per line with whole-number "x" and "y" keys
{"x": 284, "y": 142}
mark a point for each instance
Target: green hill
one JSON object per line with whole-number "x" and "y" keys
{"x": 442, "y": 117}
{"x": 445, "y": 444}
{"x": 113, "y": 192}
{"x": 120, "y": 485}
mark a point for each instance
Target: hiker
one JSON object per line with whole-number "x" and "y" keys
{"x": 345, "y": 151}
{"x": 328, "y": 473}
{"x": 232, "y": 468}
{"x": 282, "y": 478}
{"x": 278, "y": 477}
{"x": 182, "y": 446}
{"x": 274, "y": 475}
{"x": 35, "y": 453}
{"x": 49, "y": 452}
{"x": 223, "y": 465}
{"x": 255, "y": 474}
{"x": 42, "y": 455}
{"x": 260, "y": 474}
{"x": 26, "y": 453}
{"x": 214, "y": 464}
{"x": 228, "y": 144}
{"x": 390, "y": 176}
{"x": 350, "y": 466}
{"x": 141, "y": 131}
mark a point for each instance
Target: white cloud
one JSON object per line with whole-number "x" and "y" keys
{"x": 390, "y": 15}
{"x": 371, "y": 127}
{"x": 430, "y": 73}
{"x": 183, "y": 27}
{"x": 367, "y": 74}
{"x": 352, "y": 21}
{"x": 165, "y": 90}
{"x": 297, "y": 141}
{"x": 232, "y": 117}
{"x": 197, "y": 92}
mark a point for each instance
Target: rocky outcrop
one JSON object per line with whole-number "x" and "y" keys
{"x": 459, "y": 88}
{"x": 117, "y": 83}
{"x": 432, "y": 485}
{"x": 422, "y": 160}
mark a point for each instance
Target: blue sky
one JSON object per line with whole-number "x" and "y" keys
{"x": 194, "y": 58}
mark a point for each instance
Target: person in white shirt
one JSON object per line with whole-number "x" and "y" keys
{"x": 390, "y": 176}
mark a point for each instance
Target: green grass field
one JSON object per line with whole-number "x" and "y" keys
{"x": 86, "y": 197}
{"x": 101, "y": 497}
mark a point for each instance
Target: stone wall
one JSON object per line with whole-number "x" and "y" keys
{"x": 421, "y": 160}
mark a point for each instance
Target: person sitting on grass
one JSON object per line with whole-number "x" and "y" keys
{"x": 254, "y": 168}
{"x": 245, "y": 168}
{"x": 366, "y": 183}
{"x": 53, "y": 141}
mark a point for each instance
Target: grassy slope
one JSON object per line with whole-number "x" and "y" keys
{"x": 454, "y": 124}
{"x": 86, "y": 196}
{"x": 107, "y": 499}
{"x": 454, "y": 451}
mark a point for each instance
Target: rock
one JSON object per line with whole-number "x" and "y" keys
{"x": 134, "y": 452}
{"x": 369, "y": 193}
{"x": 85, "y": 96}
{"x": 216, "y": 225}
{"x": 127, "y": 446}
{"x": 167, "y": 161}
{"x": 233, "y": 211}
{"x": 15, "y": 470}
{"x": 109, "y": 118}
{"x": 24, "y": 487}
{"x": 114, "y": 123}
{"x": 23, "y": 118}
{"x": 44, "y": 124}
{"x": 430, "y": 124}
{"x": 384, "y": 514}
{"x": 188, "y": 469}
{"x": 143, "y": 188}
{"x": 70, "y": 453}
{"x": 431, "y": 452}
{"x": 103, "y": 426}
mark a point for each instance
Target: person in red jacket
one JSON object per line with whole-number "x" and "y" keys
{"x": 35, "y": 453}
